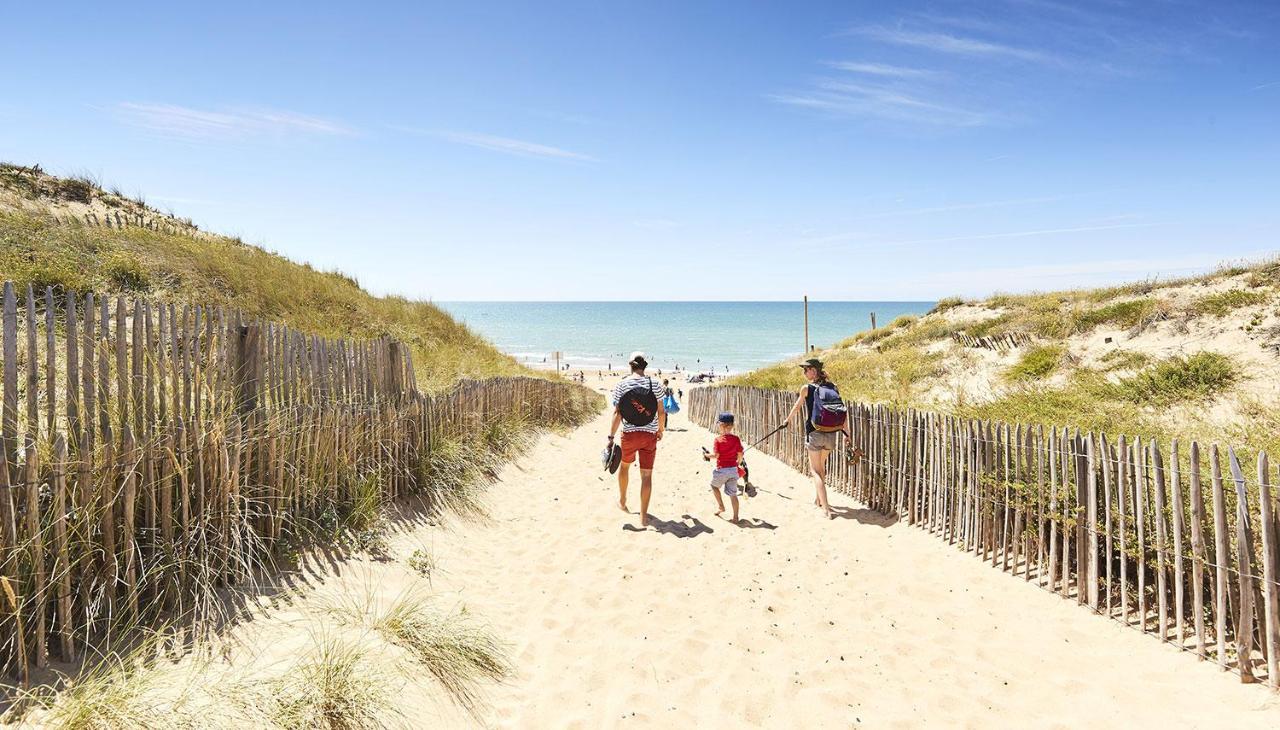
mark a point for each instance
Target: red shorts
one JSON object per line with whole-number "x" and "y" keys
{"x": 642, "y": 443}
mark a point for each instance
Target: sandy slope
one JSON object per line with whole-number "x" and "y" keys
{"x": 790, "y": 622}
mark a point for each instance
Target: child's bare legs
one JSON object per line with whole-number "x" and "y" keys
{"x": 733, "y": 499}
{"x": 719, "y": 502}
{"x": 818, "y": 462}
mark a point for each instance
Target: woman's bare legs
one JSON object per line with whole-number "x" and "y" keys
{"x": 818, "y": 463}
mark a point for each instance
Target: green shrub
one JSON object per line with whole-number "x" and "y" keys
{"x": 1197, "y": 378}
{"x": 1037, "y": 363}
{"x": 1120, "y": 314}
{"x": 1224, "y": 303}
{"x": 946, "y": 303}
{"x": 124, "y": 271}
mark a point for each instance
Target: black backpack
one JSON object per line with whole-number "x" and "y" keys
{"x": 638, "y": 405}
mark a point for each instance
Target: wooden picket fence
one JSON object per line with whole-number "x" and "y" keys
{"x": 1184, "y": 547}
{"x": 1006, "y": 341}
{"x": 153, "y": 452}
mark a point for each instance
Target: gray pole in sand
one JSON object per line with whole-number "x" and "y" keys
{"x": 806, "y": 324}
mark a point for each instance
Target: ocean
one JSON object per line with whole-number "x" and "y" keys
{"x": 698, "y": 336}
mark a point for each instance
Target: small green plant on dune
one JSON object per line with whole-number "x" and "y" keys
{"x": 1224, "y": 303}
{"x": 1037, "y": 363}
{"x": 423, "y": 563}
{"x": 1199, "y": 377}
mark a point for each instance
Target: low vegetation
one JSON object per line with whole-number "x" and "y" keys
{"x": 1193, "y": 379}
{"x": 1224, "y": 303}
{"x": 220, "y": 271}
{"x": 1037, "y": 363}
{"x": 338, "y": 687}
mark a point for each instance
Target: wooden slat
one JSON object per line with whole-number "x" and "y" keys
{"x": 1270, "y": 572}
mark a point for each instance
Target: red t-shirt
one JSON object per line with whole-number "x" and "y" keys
{"x": 727, "y": 448}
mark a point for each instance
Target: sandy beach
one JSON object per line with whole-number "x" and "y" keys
{"x": 786, "y": 620}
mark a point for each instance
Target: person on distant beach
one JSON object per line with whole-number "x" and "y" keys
{"x": 669, "y": 403}
{"x": 637, "y": 408}
{"x": 727, "y": 451}
{"x": 821, "y": 413}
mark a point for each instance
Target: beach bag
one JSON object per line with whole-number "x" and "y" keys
{"x": 829, "y": 412}
{"x": 670, "y": 405}
{"x": 638, "y": 405}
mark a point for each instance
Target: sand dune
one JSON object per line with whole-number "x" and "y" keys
{"x": 791, "y": 621}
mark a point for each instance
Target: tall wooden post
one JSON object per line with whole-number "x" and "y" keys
{"x": 806, "y": 325}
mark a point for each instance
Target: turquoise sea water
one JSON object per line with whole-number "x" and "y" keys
{"x": 699, "y": 336}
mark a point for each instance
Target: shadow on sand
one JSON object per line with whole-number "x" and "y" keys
{"x": 671, "y": 527}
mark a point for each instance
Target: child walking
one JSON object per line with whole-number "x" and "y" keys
{"x": 728, "y": 456}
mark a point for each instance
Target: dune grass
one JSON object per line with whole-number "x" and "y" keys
{"x": 891, "y": 375}
{"x": 1037, "y": 363}
{"x": 1224, "y": 303}
{"x": 218, "y": 271}
{"x": 336, "y": 687}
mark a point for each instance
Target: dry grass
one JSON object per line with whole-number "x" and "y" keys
{"x": 218, "y": 271}
{"x": 337, "y": 687}
{"x": 1224, "y": 303}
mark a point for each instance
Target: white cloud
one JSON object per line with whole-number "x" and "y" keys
{"x": 861, "y": 100}
{"x": 505, "y": 145}
{"x": 186, "y": 122}
{"x": 881, "y": 69}
{"x": 956, "y": 45}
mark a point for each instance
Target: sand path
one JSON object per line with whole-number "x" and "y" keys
{"x": 791, "y": 622}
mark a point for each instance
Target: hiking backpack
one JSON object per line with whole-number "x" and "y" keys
{"x": 828, "y": 412}
{"x": 638, "y": 405}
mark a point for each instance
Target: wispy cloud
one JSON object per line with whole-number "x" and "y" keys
{"x": 882, "y": 69}
{"x": 186, "y": 122}
{"x": 956, "y": 45}
{"x": 505, "y": 145}
{"x": 870, "y": 101}
{"x": 1267, "y": 85}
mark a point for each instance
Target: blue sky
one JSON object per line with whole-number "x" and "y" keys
{"x": 676, "y": 150}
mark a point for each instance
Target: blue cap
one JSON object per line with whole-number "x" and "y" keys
{"x": 725, "y": 417}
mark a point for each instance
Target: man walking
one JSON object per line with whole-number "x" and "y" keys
{"x": 637, "y": 407}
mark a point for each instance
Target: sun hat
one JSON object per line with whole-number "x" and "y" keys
{"x": 812, "y": 362}
{"x": 725, "y": 417}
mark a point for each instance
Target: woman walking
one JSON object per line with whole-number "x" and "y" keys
{"x": 669, "y": 398}
{"x": 825, "y": 416}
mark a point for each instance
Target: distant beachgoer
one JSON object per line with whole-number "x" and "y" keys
{"x": 637, "y": 408}
{"x": 680, "y": 392}
{"x": 669, "y": 403}
{"x": 824, "y": 418}
{"x": 727, "y": 452}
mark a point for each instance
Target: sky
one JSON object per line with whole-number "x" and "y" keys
{"x": 665, "y": 150}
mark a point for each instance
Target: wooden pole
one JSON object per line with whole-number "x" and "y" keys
{"x": 806, "y": 325}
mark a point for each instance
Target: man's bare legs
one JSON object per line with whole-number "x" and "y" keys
{"x": 646, "y": 489}
{"x": 623, "y": 472}
{"x": 818, "y": 463}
